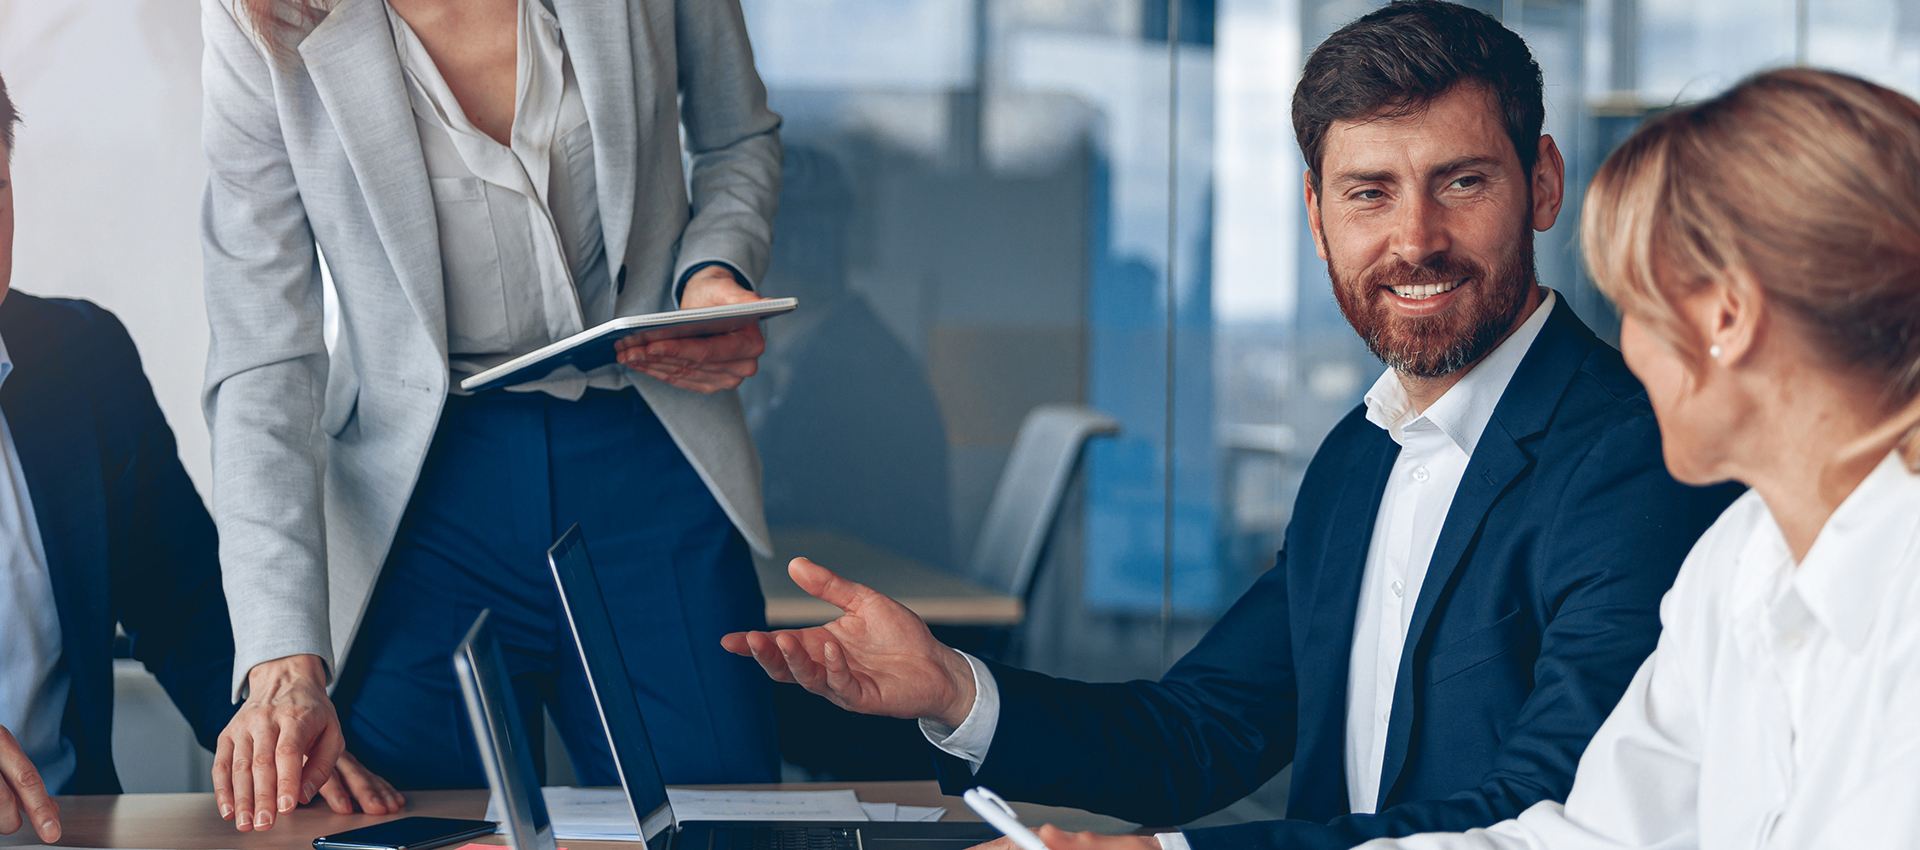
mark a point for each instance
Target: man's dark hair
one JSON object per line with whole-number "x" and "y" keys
{"x": 8, "y": 117}
{"x": 1395, "y": 61}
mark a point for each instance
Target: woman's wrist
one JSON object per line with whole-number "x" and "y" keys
{"x": 270, "y": 676}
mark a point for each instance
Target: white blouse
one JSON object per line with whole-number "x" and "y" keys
{"x": 521, "y": 246}
{"x": 1781, "y": 708}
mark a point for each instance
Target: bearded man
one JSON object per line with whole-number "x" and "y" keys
{"x": 1475, "y": 563}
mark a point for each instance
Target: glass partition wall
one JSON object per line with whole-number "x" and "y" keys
{"x": 1099, "y": 202}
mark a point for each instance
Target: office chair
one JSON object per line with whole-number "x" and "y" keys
{"x": 1022, "y": 515}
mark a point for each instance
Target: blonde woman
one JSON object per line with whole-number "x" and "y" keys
{"x": 1764, "y": 249}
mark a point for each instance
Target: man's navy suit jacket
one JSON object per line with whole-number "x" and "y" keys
{"x": 1540, "y": 603}
{"x": 127, "y": 539}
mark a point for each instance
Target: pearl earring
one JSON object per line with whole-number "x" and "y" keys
{"x": 1714, "y": 352}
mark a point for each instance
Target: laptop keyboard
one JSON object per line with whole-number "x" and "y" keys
{"x": 795, "y": 838}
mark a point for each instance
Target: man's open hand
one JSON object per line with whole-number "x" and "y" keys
{"x": 281, "y": 747}
{"x": 877, "y": 658}
{"x": 706, "y": 364}
{"x": 22, "y": 791}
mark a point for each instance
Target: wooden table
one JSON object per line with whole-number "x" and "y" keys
{"x": 189, "y": 822}
{"x": 938, "y": 597}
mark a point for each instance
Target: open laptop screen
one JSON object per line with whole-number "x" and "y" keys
{"x": 612, "y": 691}
{"x": 504, "y": 751}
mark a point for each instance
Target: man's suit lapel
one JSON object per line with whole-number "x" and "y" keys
{"x": 351, "y": 59}
{"x": 60, "y": 459}
{"x": 600, "y": 43}
{"x": 1499, "y": 459}
{"x": 1336, "y": 590}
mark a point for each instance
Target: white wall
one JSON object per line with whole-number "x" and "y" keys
{"x": 107, "y": 177}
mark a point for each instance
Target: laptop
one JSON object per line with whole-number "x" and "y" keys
{"x": 633, "y": 754}
{"x": 504, "y": 752}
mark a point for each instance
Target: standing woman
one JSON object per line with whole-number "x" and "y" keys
{"x": 1764, "y": 249}
{"x": 483, "y": 177}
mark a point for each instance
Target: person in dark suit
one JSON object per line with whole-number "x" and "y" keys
{"x": 99, "y": 526}
{"x": 1474, "y": 566}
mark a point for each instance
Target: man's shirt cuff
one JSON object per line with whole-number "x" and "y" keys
{"x": 1172, "y": 840}
{"x": 970, "y": 741}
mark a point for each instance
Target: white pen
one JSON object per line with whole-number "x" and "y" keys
{"x": 997, "y": 812}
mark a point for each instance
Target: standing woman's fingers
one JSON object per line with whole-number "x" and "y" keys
{"x": 242, "y": 778}
{"x": 321, "y": 755}
{"x": 223, "y": 776}
{"x": 288, "y": 755}
{"x": 264, "y": 778}
{"x": 338, "y": 798}
{"x": 374, "y": 794}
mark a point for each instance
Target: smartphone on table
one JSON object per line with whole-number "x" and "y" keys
{"x": 415, "y": 833}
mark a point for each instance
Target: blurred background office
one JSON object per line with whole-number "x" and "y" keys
{"x": 987, "y": 202}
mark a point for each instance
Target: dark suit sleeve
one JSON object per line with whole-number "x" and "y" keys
{"x": 165, "y": 554}
{"x": 1220, "y": 723}
{"x": 1620, "y": 531}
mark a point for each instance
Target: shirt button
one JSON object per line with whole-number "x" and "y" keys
{"x": 1398, "y": 589}
{"x": 1385, "y": 717}
{"x": 1420, "y": 474}
{"x": 1792, "y": 640}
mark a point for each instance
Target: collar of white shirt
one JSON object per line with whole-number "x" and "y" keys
{"x": 1852, "y": 561}
{"x": 1463, "y": 412}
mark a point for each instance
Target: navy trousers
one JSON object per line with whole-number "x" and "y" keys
{"x": 506, "y": 475}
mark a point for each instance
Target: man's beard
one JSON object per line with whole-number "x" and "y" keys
{"x": 1432, "y": 346}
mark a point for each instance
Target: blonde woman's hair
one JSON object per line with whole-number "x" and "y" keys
{"x": 1804, "y": 182}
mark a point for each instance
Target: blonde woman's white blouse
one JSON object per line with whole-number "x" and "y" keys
{"x": 1781, "y": 708}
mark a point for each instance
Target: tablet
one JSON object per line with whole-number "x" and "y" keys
{"x": 593, "y": 348}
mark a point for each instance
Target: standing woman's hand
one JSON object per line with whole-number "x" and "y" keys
{"x": 281, "y": 747}
{"x": 706, "y": 364}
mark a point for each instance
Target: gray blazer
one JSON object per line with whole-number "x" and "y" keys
{"x": 316, "y": 450}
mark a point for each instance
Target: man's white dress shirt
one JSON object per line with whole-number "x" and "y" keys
{"x": 1435, "y": 446}
{"x": 33, "y": 679}
{"x": 1781, "y": 708}
{"x": 521, "y": 245}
